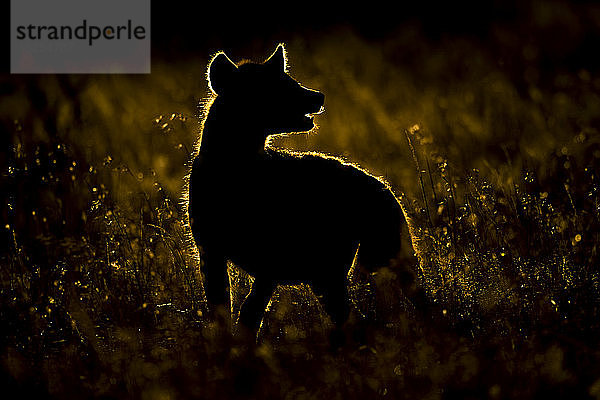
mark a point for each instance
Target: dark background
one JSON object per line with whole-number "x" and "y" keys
{"x": 182, "y": 29}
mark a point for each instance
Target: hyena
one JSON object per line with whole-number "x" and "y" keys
{"x": 283, "y": 217}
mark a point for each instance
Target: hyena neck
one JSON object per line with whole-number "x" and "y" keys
{"x": 228, "y": 134}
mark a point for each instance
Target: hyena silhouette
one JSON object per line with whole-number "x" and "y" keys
{"x": 283, "y": 217}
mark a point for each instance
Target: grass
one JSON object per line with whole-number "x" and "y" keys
{"x": 99, "y": 297}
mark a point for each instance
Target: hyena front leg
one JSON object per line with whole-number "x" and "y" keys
{"x": 254, "y": 308}
{"x": 216, "y": 279}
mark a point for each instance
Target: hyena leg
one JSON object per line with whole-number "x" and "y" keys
{"x": 335, "y": 300}
{"x": 253, "y": 308}
{"x": 216, "y": 279}
{"x": 335, "y": 303}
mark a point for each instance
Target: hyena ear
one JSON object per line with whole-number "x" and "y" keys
{"x": 278, "y": 59}
{"x": 220, "y": 72}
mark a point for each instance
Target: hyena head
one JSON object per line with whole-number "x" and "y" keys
{"x": 263, "y": 95}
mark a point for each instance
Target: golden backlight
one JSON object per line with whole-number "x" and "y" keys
{"x": 495, "y": 162}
